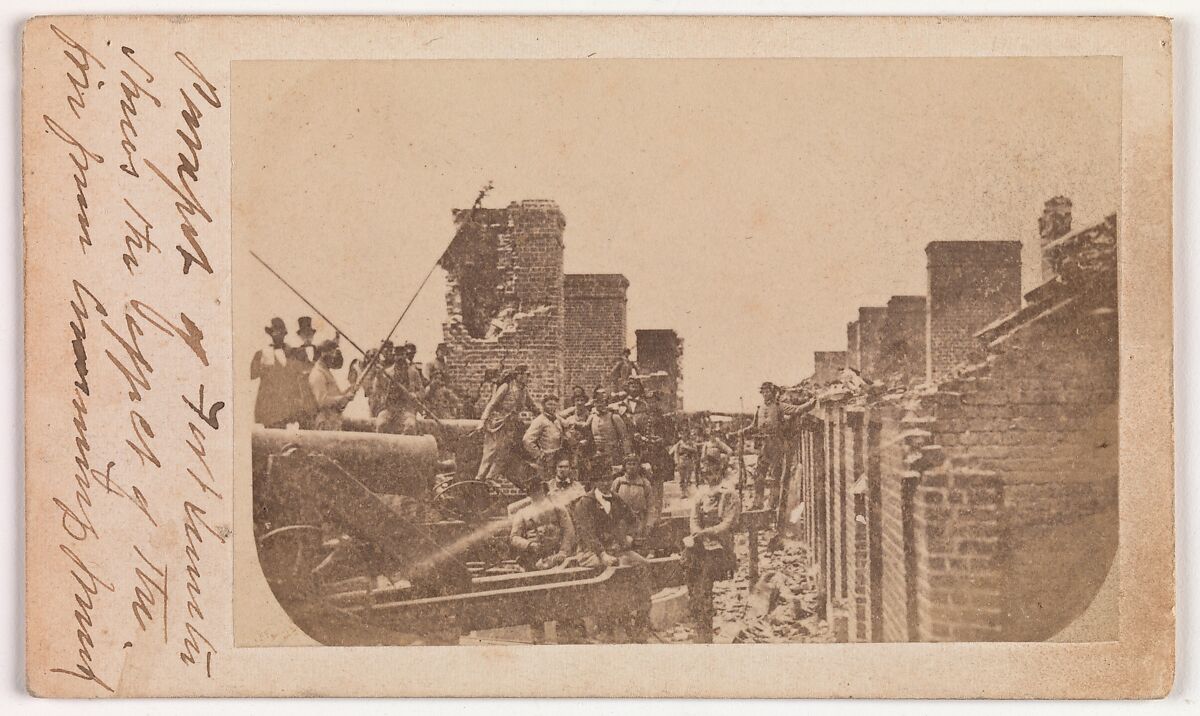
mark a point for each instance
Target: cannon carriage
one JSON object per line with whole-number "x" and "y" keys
{"x": 373, "y": 538}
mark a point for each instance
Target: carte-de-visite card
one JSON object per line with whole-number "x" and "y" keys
{"x": 687, "y": 357}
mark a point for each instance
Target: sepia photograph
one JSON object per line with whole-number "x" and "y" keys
{"x": 707, "y": 357}
{"x": 676, "y": 351}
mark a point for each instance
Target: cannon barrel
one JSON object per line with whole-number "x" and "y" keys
{"x": 384, "y": 463}
{"x": 450, "y": 427}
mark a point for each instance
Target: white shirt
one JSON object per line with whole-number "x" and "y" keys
{"x": 272, "y": 355}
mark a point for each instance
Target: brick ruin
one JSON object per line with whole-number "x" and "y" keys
{"x": 660, "y": 356}
{"x": 509, "y": 303}
{"x": 504, "y": 297}
{"x": 595, "y": 326}
{"x": 969, "y": 492}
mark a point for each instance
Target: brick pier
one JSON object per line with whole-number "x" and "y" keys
{"x": 970, "y": 493}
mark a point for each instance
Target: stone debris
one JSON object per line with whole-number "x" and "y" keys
{"x": 781, "y": 607}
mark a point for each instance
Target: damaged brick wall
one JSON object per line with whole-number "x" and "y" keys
{"x": 594, "y": 327}
{"x": 660, "y": 358}
{"x": 504, "y": 298}
{"x": 981, "y": 506}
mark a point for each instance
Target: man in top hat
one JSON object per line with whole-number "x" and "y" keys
{"x": 305, "y": 353}
{"x": 277, "y": 401}
{"x": 768, "y": 428}
{"x": 302, "y": 358}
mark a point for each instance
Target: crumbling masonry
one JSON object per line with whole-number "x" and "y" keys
{"x": 970, "y": 491}
{"x": 509, "y": 303}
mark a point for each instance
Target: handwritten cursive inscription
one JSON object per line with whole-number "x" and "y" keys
{"x": 143, "y": 506}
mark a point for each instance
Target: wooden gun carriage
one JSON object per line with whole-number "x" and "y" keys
{"x": 362, "y": 545}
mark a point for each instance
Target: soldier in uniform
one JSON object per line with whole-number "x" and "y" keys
{"x": 651, "y": 440}
{"x": 708, "y": 549}
{"x": 500, "y": 424}
{"x": 543, "y": 440}
{"x": 624, "y": 369}
{"x": 686, "y": 451}
{"x": 542, "y": 533}
{"x": 400, "y": 383}
{"x": 768, "y": 429}
{"x": 610, "y": 435}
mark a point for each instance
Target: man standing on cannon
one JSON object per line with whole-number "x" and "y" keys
{"x": 768, "y": 432}
{"x": 501, "y": 427}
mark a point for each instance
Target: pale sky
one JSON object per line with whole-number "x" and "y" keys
{"x": 753, "y": 205}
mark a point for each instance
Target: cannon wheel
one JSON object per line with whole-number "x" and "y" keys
{"x": 468, "y": 500}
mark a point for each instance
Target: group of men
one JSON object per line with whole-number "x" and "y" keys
{"x": 297, "y": 385}
{"x": 583, "y": 510}
{"x": 623, "y": 439}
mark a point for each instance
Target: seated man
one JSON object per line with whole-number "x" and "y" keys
{"x": 542, "y": 532}
{"x": 564, "y": 489}
{"x": 603, "y": 527}
{"x": 634, "y": 488}
{"x": 603, "y": 524}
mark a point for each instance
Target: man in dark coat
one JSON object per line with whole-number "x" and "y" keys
{"x": 277, "y": 402}
{"x": 604, "y": 527}
{"x": 305, "y": 354}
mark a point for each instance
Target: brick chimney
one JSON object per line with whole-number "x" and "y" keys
{"x": 852, "y": 346}
{"x": 1053, "y": 224}
{"x": 871, "y": 323}
{"x": 904, "y": 338}
{"x": 971, "y": 284}
{"x": 828, "y": 365}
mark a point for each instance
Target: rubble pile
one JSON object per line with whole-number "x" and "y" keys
{"x": 780, "y": 607}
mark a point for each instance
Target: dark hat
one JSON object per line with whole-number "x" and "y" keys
{"x": 304, "y": 325}
{"x": 410, "y": 346}
{"x": 327, "y": 346}
{"x": 521, "y": 369}
{"x": 277, "y": 326}
{"x": 626, "y": 351}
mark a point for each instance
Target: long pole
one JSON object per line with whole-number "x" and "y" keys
{"x": 370, "y": 364}
{"x": 307, "y": 302}
{"x": 350, "y": 340}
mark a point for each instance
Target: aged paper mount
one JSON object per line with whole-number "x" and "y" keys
{"x": 188, "y": 536}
